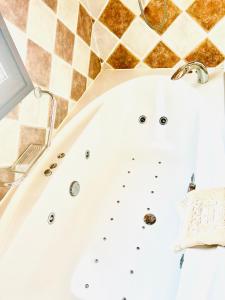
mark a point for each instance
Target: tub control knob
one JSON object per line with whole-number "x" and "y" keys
{"x": 149, "y": 219}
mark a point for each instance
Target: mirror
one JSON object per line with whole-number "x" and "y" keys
{"x": 15, "y": 82}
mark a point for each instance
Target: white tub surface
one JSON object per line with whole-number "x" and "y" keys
{"x": 133, "y": 169}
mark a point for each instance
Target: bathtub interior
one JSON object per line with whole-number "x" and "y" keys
{"x": 133, "y": 169}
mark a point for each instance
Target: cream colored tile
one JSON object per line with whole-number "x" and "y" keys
{"x": 183, "y": 4}
{"x": 140, "y": 38}
{"x": 81, "y": 56}
{"x": 134, "y": 6}
{"x": 34, "y": 112}
{"x": 89, "y": 82}
{"x": 68, "y": 13}
{"x": 61, "y": 78}
{"x": 19, "y": 38}
{"x": 9, "y": 133}
{"x": 217, "y": 35}
{"x": 41, "y": 25}
{"x": 96, "y": 7}
{"x": 103, "y": 41}
{"x": 183, "y": 35}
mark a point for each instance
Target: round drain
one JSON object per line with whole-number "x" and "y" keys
{"x": 163, "y": 120}
{"x": 142, "y": 119}
{"x": 149, "y": 219}
{"x": 74, "y": 188}
{"x": 51, "y": 218}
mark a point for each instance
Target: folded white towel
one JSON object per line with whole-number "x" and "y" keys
{"x": 203, "y": 219}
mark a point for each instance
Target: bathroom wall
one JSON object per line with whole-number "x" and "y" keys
{"x": 195, "y": 30}
{"x": 53, "y": 38}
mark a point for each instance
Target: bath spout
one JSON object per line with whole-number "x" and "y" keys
{"x": 200, "y": 69}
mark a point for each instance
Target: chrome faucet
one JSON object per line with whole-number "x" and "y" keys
{"x": 200, "y": 69}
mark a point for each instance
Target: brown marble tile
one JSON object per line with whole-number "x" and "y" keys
{"x": 30, "y": 135}
{"x": 38, "y": 64}
{"x": 207, "y": 12}
{"x": 15, "y": 11}
{"x": 154, "y": 13}
{"x": 161, "y": 57}
{"x": 62, "y": 110}
{"x": 84, "y": 25}
{"x": 64, "y": 42}
{"x": 117, "y": 17}
{"x": 94, "y": 66}
{"x": 3, "y": 192}
{"x": 52, "y": 4}
{"x": 206, "y": 53}
{"x": 122, "y": 58}
{"x": 78, "y": 85}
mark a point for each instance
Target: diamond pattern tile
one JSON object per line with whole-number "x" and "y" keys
{"x": 122, "y": 58}
{"x": 184, "y": 35}
{"x": 207, "y": 12}
{"x": 117, "y": 17}
{"x": 84, "y": 25}
{"x": 161, "y": 57}
{"x": 154, "y": 12}
{"x": 206, "y": 53}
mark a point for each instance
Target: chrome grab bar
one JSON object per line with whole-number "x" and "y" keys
{"x": 33, "y": 152}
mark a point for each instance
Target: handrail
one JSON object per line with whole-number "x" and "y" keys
{"x": 165, "y": 16}
{"x": 33, "y": 148}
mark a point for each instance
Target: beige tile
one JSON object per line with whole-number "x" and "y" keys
{"x": 140, "y": 38}
{"x": 161, "y": 57}
{"x": 19, "y": 38}
{"x": 30, "y": 135}
{"x": 64, "y": 42}
{"x": 217, "y": 35}
{"x": 103, "y": 41}
{"x": 68, "y": 13}
{"x": 34, "y": 112}
{"x": 117, "y": 17}
{"x": 61, "y": 112}
{"x": 15, "y": 11}
{"x": 52, "y": 4}
{"x": 134, "y": 6}
{"x": 206, "y": 53}
{"x": 41, "y": 26}
{"x": 38, "y": 64}
{"x": 81, "y": 56}
{"x": 183, "y": 4}
{"x": 9, "y": 133}
{"x": 207, "y": 12}
{"x": 61, "y": 77}
{"x": 95, "y": 66}
{"x": 96, "y": 7}
{"x": 79, "y": 84}
{"x": 122, "y": 58}
{"x": 84, "y": 25}
{"x": 154, "y": 13}
{"x": 183, "y": 35}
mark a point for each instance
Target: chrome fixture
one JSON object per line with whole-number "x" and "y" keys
{"x": 26, "y": 160}
{"x": 51, "y": 218}
{"x": 164, "y": 20}
{"x": 74, "y": 188}
{"x": 142, "y": 119}
{"x": 200, "y": 69}
{"x": 192, "y": 185}
{"x": 61, "y": 155}
{"x": 48, "y": 172}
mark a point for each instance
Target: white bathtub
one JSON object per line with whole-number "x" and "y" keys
{"x": 98, "y": 247}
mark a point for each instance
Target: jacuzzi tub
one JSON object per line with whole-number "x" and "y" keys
{"x": 96, "y": 245}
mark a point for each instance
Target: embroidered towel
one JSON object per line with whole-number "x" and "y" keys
{"x": 203, "y": 219}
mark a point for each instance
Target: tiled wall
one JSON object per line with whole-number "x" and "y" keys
{"x": 54, "y": 40}
{"x": 64, "y": 42}
{"x": 194, "y": 30}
